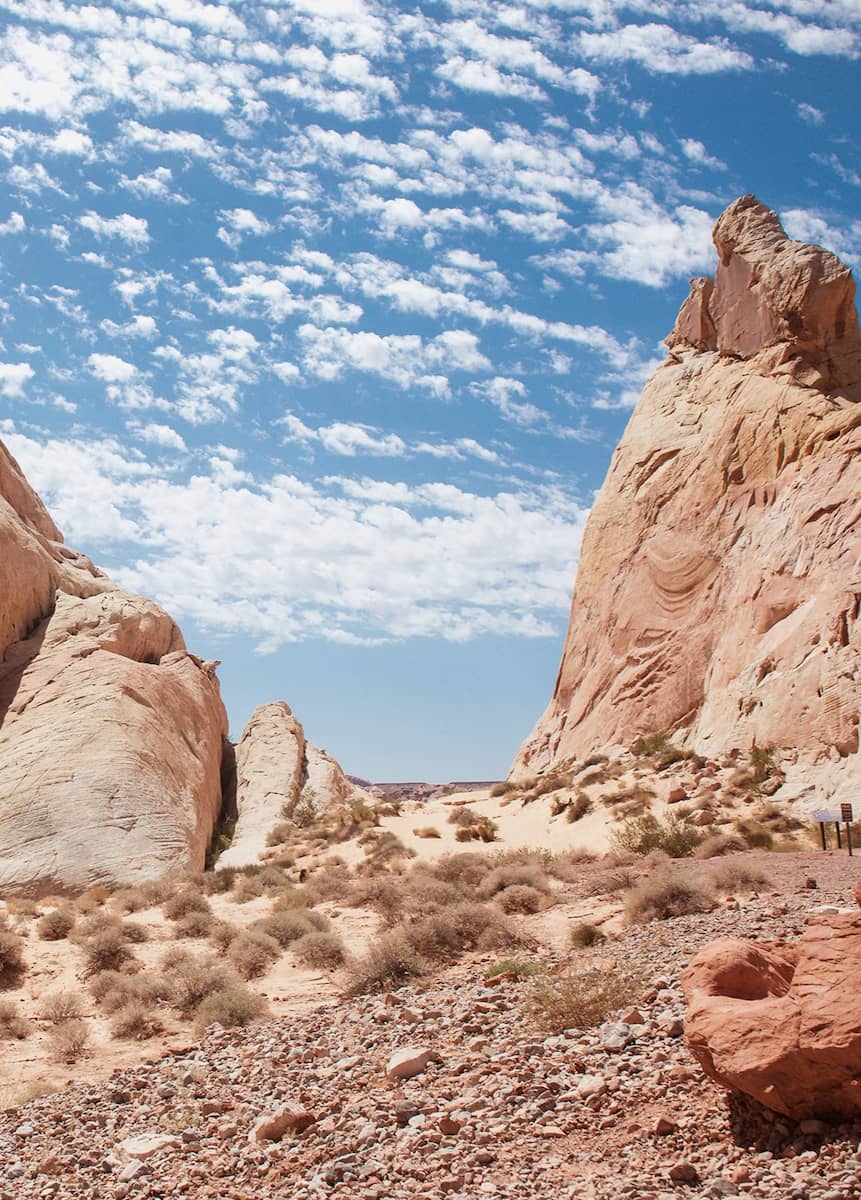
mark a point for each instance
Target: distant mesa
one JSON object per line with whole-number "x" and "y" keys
{"x": 719, "y": 586}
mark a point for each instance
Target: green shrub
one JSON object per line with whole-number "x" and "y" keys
{"x": 641, "y": 835}
{"x": 664, "y": 896}
{"x": 581, "y": 1000}
{"x": 515, "y": 966}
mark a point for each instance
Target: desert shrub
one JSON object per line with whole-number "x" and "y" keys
{"x": 280, "y": 833}
{"x": 156, "y": 891}
{"x": 640, "y": 835}
{"x": 383, "y": 851}
{"x": 463, "y": 815}
{"x": 717, "y": 844}
{"x": 594, "y": 760}
{"x": 219, "y": 882}
{"x": 22, "y": 909}
{"x": 247, "y": 887}
{"x": 194, "y": 925}
{"x": 61, "y": 1006}
{"x": 113, "y": 991}
{"x": 12, "y": 1023}
{"x": 664, "y": 896}
{"x": 426, "y": 831}
{"x": 231, "y": 1007}
{"x": 578, "y": 808}
{"x": 184, "y": 902}
{"x": 69, "y": 1042}
{"x": 222, "y": 933}
{"x": 610, "y": 882}
{"x": 465, "y": 926}
{"x": 581, "y": 1000}
{"x": 252, "y": 953}
{"x": 734, "y": 876}
{"x": 12, "y": 964}
{"x": 106, "y": 950}
{"x": 755, "y": 835}
{"x": 503, "y": 788}
{"x": 384, "y": 895}
{"x": 136, "y": 1021}
{"x": 130, "y": 900}
{"x": 505, "y": 966}
{"x": 513, "y": 874}
{"x": 584, "y": 934}
{"x": 520, "y": 898}
{"x": 424, "y": 893}
{"x": 467, "y": 834}
{"x": 55, "y": 924}
{"x": 134, "y": 932}
{"x": 191, "y": 980}
{"x": 286, "y": 927}
{"x": 388, "y": 963}
{"x": 762, "y": 763}
{"x": 331, "y": 882}
{"x": 320, "y": 950}
{"x": 465, "y": 870}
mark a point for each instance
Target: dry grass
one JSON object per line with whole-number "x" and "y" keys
{"x": 114, "y": 991}
{"x": 665, "y": 896}
{"x": 426, "y": 831}
{"x": 582, "y": 1000}
{"x": 252, "y": 953}
{"x": 191, "y": 980}
{"x": 717, "y": 844}
{"x": 61, "y": 1006}
{"x": 323, "y": 951}
{"x": 194, "y": 925}
{"x": 12, "y": 963}
{"x": 106, "y": 950}
{"x": 734, "y": 876}
{"x": 513, "y": 874}
{"x": 69, "y": 1042}
{"x": 137, "y": 1022}
{"x": 13, "y": 1024}
{"x": 584, "y": 935}
{"x": 185, "y": 902}
{"x": 520, "y": 898}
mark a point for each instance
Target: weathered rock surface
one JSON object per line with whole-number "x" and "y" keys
{"x": 277, "y": 772}
{"x": 783, "y": 1023}
{"x": 110, "y": 732}
{"x": 719, "y": 585}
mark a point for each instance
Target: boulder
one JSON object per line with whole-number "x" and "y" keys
{"x": 111, "y": 733}
{"x": 783, "y": 1023}
{"x": 717, "y": 590}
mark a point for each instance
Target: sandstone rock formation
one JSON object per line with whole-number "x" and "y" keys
{"x": 783, "y": 1023}
{"x": 110, "y": 732}
{"x": 278, "y": 773}
{"x": 719, "y": 586}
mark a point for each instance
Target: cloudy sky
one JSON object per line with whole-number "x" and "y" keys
{"x": 320, "y": 319}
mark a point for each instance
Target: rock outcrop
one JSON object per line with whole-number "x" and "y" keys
{"x": 110, "y": 731}
{"x": 783, "y": 1023}
{"x": 280, "y": 775}
{"x": 719, "y": 586}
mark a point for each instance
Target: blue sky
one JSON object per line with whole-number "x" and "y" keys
{"x": 319, "y": 320}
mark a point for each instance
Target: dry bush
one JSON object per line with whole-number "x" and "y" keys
{"x": 756, "y": 836}
{"x": 230, "y": 1007}
{"x": 422, "y": 892}
{"x": 717, "y": 844}
{"x": 444, "y": 935}
{"x": 106, "y": 950}
{"x": 388, "y": 963}
{"x": 664, "y": 896}
{"x": 134, "y": 932}
{"x": 136, "y": 1021}
{"x": 503, "y": 788}
{"x": 55, "y": 924}
{"x": 156, "y": 891}
{"x": 69, "y": 1042}
{"x": 520, "y": 898}
{"x": 61, "y": 1006}
{"x": 332, "y": 881}
{"x": 247, "y": 887}
{"x": 292, "y": 897}
{"x": 323, "y": 951}
{"x": 611, "y": 882}
{"x": 12, "y": 964}
{"x": 383, "y": 851}
{"x": 12, "y": 1022}
{"x": 191, "y": 980}
{"x": 466, "y": 835}
{"x": 582, "y": 1000}
{"x": 732, "y": 877}
{"x": 114, "y": 991}
{"x": 511, "y": 874}
{"x": 465, "y": 870}
{"x": 463, "y": 815}
{"x": 223, "y": 933}
{"x": 280, "y": 833}
{"x": 185, "y": 902}
{"x": 252, "y": 953}
{"x": 130, "y": 900}
{"x": 287, "y": 927}
{"x": 219, "y": 882}
{"x": 505, "y": 966}
{"x": 427, "y": 831}
{"x": 578, "y": 808}
{"x": 22, "y": 909}
{"x": 194, "y": 925}
{"x": 585, "y": 934}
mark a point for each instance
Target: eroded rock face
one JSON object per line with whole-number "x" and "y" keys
{"x": 277, "y": 773}
{"x": 719, "y": 585}
{"x": 782, "y": 1024}
{"x": 110, "y": 732}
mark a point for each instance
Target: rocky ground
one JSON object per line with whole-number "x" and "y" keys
{"x": 502, "y": 1109}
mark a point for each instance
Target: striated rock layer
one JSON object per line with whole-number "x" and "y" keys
{"x": 782, "y": 1023}
{"x": 719, "y": 585}
{"x": 110, "y": 732}
{"x": 278, "y": 773}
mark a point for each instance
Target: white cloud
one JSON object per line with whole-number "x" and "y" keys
{"x": 129, "y": 229}
{"x": 111, "y": 369}
{"x": 139, "y": 326}
{"x": 14, "y": 223}
{"x": 161, "y": 435}
{"x": 810, "y": 114}
{"x": 239, "y": 223}
{"x": 663, "y": 50}
{"x": 13, "y": 377}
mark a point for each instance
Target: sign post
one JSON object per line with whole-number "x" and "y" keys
{"x": 846, "y": 818}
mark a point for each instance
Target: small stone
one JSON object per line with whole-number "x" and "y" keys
{"x": 741, "y": 1174}
{"x": 146, "y": 1144}
{"x": 684, "y": 1172}
{"x": 664, "y": 1125}
{"x": 412, "y": 1060}
{"x": 271, "y": 1127}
